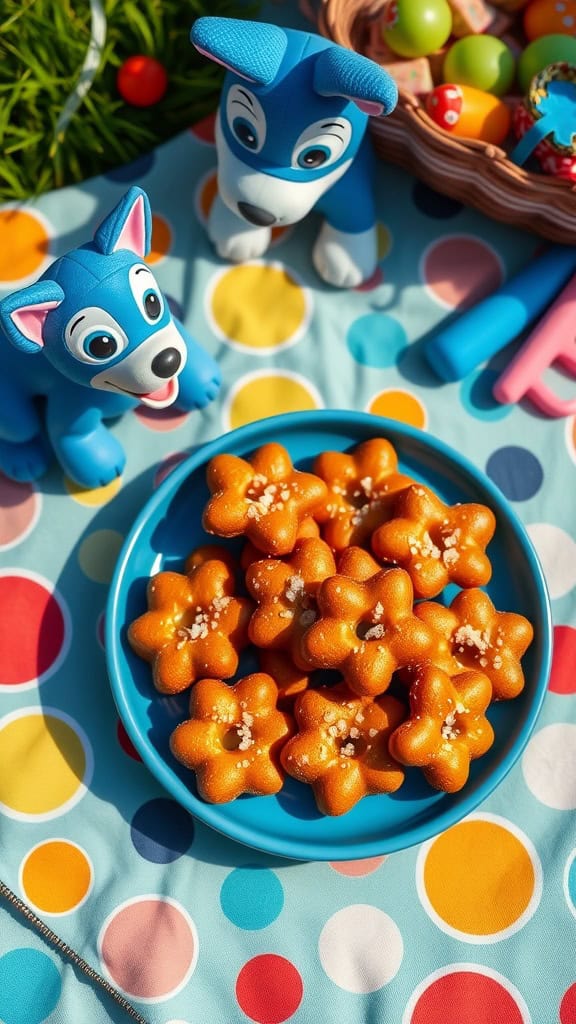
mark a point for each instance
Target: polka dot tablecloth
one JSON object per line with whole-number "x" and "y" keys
{"x": 477, "y": 926}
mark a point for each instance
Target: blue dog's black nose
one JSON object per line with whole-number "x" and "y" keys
{"x": 167, "y": 363}
{"x": 256, "y": 215}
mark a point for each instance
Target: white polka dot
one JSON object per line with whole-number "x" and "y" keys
{"x": 549, "y": 766}
{"x": 360, "y": 948}
{"x": 556, "y": 550}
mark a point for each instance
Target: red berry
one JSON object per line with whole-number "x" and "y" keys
{"x": 142, "y": 81}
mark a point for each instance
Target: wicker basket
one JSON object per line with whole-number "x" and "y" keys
{"x": 475, "y": 173}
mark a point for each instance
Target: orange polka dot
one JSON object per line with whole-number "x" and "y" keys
{"x": 24, "y": 244}
{"x": 399, "y": 405}
{"x": 161, "y": 239}
{"x": 207, "y": 194}
{"x": 480, "y": 878}
{"x": 56, "y": 876}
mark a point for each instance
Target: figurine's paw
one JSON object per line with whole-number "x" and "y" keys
{"x": 92, "y": 460}
{"x": 244, "y": 246}
{"x": 343, "y": 259}
{"x": 24, "y": 460}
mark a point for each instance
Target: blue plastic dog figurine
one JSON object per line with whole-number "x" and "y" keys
{"x": 291, "y": 137}
{"x": 94, "y": 336}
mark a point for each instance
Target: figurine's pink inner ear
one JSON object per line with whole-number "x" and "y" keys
{"x": 133, "y": 234}
{"x": 222, "y": 63}
{"x": 373, "y": 109}
{"x": 30, "y": 320}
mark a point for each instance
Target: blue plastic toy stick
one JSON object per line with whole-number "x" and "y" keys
{"x": 471, "y": 339}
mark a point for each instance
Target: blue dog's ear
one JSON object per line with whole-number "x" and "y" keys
{"x": 341, "y": 72}
{"x": 249, "y": 49}
{"x": 23, "y": 313}
{"x": 128, "y": 226}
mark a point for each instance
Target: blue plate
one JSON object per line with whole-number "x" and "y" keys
{"x": 289, "y": 825}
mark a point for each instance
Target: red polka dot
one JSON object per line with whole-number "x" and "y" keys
{"x": 19, "y": 507}
{"x": 269, "y": 989}
{"x": 126, "y": 743}
{"x": 562, "y": 677}
{"x": 466, "y": 997}
{"x": 372, "y": 282}
{"x": 568, "y": 1006}
{"x": 204, "y": 129}
{"x": 357, "y": 868}
{"x": 459, "y": 271}
{"x": 32, "y": 629}
{"x": 167, "y": 465}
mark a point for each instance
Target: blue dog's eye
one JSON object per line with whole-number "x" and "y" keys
{"x": 245, "y": 132}
{"x": 100, "y": 345}
{"x": 314, "y": 156}
{"x": 152, "y": 305}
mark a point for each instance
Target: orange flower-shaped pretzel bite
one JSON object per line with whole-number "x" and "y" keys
{"x": 289, "y": 679}
{"x": 482, "y": 638}
{"x": 194, "y": 625}
{"x": 366, "y": 630}
{"x": 447, "y": 727}
{"x": 285, "y": 592}
{"x": 357, "y": 563}
{"x": 233, "y": 738}
{"x": 263, "y": 498}
{"x": 308, "y": 528}
{"x": 436, "y": 543}
{"x": 361, "y": 487}
{"x": 341, "y": 747}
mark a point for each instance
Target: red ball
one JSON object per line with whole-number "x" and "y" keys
{"x": 142, "y": 81}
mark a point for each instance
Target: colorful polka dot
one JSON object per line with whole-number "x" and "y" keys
{"x": 251, "y": 897}
{"x": 567, "y": 1011}
{"x": 205, "y": 195}
{"x": 161, "y": 240}
{"x": 570, "y": 436}
{"x": 516, "y": 471}
{"x": 45, "y": 764}
{"x": 360, "y": 948}
{"x": 20, "y": 506}
{"x": 477, "y": 397}
{"x": 570, "y": 882}
{"x": 372, "y": 282}
{"x": 549, "y": 766}
{"x": 30, "y": 986}
{"x": 34, "y": 629}
{"x": 357, "y": 868}
{"x": 167, "y": 465}
{"x": 466, "y": 994}
{"x": 557, "y": 552}
{"x": 161, "y": 831}
{"x": 134, "y": 171}
{"x": 399, "y": 405}
{"x": 258, "y": 307}
{"x": 24, "y": 245}
{"x": 459, "y": 270}
{"x": 148, "y": 948}
{"x": 93, "y": 497}
{"x": 98, "y": 553}
{"x": 160, "y": 420}
{"x": 269, "y": 989}
{"x": 56, "y": 876}
{"x": 433, "y": 204}
{"x": 126, "y": 743}
{"x": 562, "y": 675}
{"x": 265, "y": 393}
{"x": 481, "y": 880}
{"x": 203, "y": 130}
{"x": 384, "y": 240}
{"x": 376, "y": 339}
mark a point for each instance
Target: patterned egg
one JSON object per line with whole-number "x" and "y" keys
{"x": 469, "y": 113}
{"x": 544, "y": 17}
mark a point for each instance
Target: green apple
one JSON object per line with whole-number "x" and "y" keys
{"x": 482, "y": 61}
{"x": 414, "y": 28}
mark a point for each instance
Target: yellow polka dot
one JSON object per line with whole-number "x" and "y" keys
{"x": 56, "y": 876}
{"x": 43, "y": 764}
{"x": 259, "y": 306}
{"x": 263, "y": 394}
{"x": 94, "y": 497}
{"x": 399, "y": 405}
{"x": 384, "y": 240}
{"x": 98, "y": 554}
{"x": 479, "y": 878}
{"x": 24, "y": 243}
{"x": 161, "y": 239}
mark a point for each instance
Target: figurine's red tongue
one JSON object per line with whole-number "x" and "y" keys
{"x": 163, "y": 397}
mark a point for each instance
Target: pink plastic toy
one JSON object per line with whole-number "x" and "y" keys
{"x": 552, "y": 340}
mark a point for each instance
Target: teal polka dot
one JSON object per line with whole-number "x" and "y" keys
{"x": 571, "y": 884}
{"x": 476, "y": 396}
{"x": 376, "y": 339}
{"x": 30, "y": 986}
{"x": 252, "y": 897}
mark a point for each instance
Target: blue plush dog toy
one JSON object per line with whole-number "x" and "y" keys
{"x": 291, "y": 137}
{"x": 94, "y": 336}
